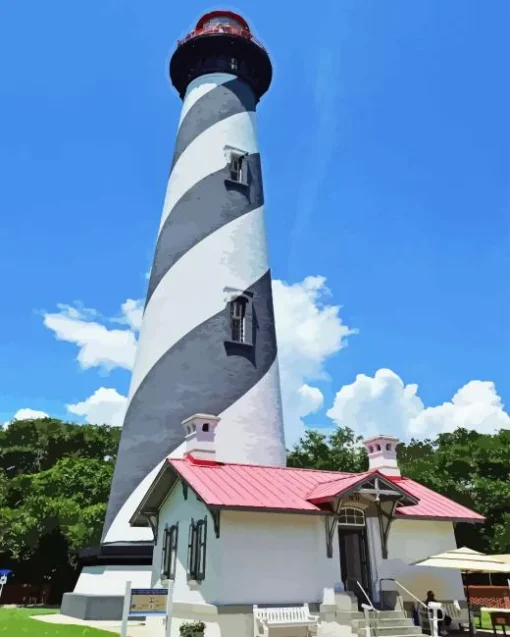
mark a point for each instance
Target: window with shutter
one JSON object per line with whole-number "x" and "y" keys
{"x": 197, "y": 540}
{"x": 169, "y": 560}
{"x": 237, "y": 168}
{"x": 201, "y": 545}
{"x": 238, "y": 319}
{"x": 166, "y": 537}
{"x": 191, "y": 549}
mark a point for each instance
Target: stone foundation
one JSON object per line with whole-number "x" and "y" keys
{"x": 95, "y": 607}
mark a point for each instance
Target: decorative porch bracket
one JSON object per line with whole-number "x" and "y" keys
{"x": 153, "y": 520}
{"x": 385, "y": 520}
{"x": 215, "y": 514}
{"x": 331, "y": 525}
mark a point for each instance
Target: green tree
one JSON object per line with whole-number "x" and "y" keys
{"x": 338, "y": 451}
{"x": 55, "y": 479}
{"x": 470, "y": 468}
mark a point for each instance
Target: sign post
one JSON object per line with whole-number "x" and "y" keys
{"x": 144, "y": 602}
{"x": 125, "y": 610}
{"x": 169, "y": 608}
{"x": 3, "y": 582}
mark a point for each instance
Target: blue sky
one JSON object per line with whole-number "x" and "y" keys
{"x": 386, "y": 153}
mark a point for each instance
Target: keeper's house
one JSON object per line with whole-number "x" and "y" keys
{"x": 231, "y": 536}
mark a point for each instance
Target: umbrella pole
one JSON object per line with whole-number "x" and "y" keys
{"x": 468, "y": 601}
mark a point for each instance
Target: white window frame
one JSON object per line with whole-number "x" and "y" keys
{"x": 233, "y": 154}
{"x": 238, "y": 302}
{"x": 352, "y": 516}
{"x": 169, "y": 552}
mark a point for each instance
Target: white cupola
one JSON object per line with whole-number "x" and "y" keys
{"x": 200, "y": 436}
{"x": 382, "y": 454}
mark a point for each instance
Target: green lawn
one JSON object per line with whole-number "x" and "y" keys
{"x": 17, "y": 622}
{"x": 486, "y": 622}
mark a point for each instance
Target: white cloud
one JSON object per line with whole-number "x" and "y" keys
{"x": 477, "y": 405}
{"x": 385, "y": 404}
{"x": 26, "y": 414}
{"x": 29, "y": 414}
{"x": 133, "y": 313}
{"x": 105, "y": 406}
{"x": 309, "y": 332}
{"x": 98, "y": 346}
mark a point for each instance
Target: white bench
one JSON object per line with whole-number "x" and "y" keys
{"x": 291, "y": 617}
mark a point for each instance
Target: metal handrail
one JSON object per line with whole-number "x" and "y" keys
{"x": 391, "y": 579}
{"x": 371, "y": 606}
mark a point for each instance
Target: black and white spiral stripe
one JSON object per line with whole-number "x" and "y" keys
{"x": 211, "y": 240}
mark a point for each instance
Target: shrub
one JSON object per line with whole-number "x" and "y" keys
{"x": 192, "y": 629}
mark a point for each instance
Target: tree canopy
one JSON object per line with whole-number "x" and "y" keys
{"x": 54, "y": 484}
{"x": 55, "y": 480}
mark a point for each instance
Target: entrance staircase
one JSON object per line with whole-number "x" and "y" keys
{"x": 385, "y": 623}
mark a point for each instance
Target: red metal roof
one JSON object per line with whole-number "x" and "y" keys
{"x": 323, "y": 491}
{"x": 289, "y": 489}
{"x": 433, "y": 505}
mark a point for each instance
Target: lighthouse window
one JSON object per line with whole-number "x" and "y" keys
{"x": 237, "y": 168}
{"x": 238, "y": 319}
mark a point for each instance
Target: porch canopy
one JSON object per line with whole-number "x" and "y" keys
{"x": 372, "y": 486}
{"x": 466, "y": 561}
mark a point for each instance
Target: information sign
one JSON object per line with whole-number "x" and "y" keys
{"x": 148, "y": 601}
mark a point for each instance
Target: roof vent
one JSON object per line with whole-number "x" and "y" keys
{"x": 382, "y": 454}
{"x": 200, "y": 436}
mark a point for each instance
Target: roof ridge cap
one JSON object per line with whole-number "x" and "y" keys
{"x": 342, "y": 477}
{"x": 340, "y": 474}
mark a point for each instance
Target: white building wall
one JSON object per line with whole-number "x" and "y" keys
{"x": 411, "y": 541}
{"x": 265, "y": 558}
{"x": 177, "y": 509}
{"x": 111, "y": 580}
{"x": 275, "y": 558}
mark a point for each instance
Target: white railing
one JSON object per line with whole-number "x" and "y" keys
{"x": 370, "y": 605}
{"x": 432, "y": 609}
{"x": 367, "y": 609}
{"x": 410, "y": 594}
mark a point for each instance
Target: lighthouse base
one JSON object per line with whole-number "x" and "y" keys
{"x": 99, "y": 591}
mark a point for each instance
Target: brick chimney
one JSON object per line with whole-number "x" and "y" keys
{"x": 200, "y": 436}
{"x": 382, "y": 454}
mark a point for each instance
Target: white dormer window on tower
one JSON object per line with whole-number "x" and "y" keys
{"x": 238, "y": 319}
{"x": 237, "y": 168}
{"x": 241, "y": 321}
{"x": 237, "y": 164}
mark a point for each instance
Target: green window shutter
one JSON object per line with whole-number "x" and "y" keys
{"x": 172, "y": 562}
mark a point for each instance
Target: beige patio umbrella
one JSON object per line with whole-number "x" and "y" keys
{"x": 502, "y": 558}
{"x": 466, "y": 561}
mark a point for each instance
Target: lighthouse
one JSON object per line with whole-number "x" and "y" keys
{"x": 207, "y": 342}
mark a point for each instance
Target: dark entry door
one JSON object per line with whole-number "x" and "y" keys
{"x": 354, "y": 561}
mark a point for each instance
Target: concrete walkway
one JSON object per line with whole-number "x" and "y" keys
{"x": 153, "y": 628}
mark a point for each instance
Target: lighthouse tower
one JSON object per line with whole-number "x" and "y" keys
{"x": 207, "y": 342}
